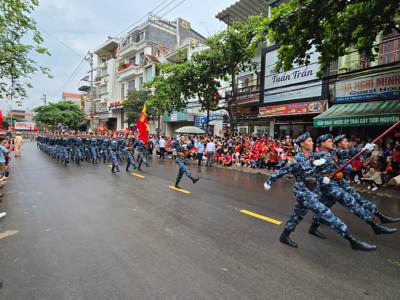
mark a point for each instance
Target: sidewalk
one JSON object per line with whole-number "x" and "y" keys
{"x": 382, "y": 191}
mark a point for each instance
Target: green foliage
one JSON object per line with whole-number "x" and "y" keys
{"x": 105, "y": 54}
{"x": 228, "y": 53}
{"x": 133, "y": 105}
{"x": 334, "y": 27}
{"x": 17, "y": 119}
{"x": 67, "y": 113}
{"x": 15, "y": 64}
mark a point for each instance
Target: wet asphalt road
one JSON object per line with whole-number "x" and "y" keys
{"x": 79, "y": 232}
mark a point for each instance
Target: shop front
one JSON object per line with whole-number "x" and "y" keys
{"x": 293, "y": 98}
{"x": 116, "y": 116}
{"x": 364, "y": 107}
{"x": 176, "y": 120}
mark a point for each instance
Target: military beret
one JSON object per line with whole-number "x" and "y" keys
{"x": 302, "y": 138}
{"x": 339, "y": 138}
{"x": 324, "y": 137}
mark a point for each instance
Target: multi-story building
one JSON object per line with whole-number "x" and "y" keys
{"x": 85, "y": 104}
{"x": 71, "y": 97}
{"x": 25, "y": 115}
{"x": 125, "y": 63}
{"x": 364, "y": 95}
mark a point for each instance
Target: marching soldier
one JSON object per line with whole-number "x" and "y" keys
{"x": 302, "y": 167}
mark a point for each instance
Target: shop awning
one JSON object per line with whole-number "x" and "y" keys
{"x": 360, "y": 114}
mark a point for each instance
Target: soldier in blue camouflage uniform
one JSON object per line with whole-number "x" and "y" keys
{"x": 333, "y": 192}
{"x": 181, "y": 148}
{"x": 302, "y": 167}
{"x": 129, "y": 151}
{"x": 113, "y": 152}
{"x": 64, "y": 152}
{"x": 77, "y": 149}
{"x": 142, "y": 149}
{"x": 342, "y": 143}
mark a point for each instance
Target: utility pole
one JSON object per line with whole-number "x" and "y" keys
{"x": 11, "y": 115}
{"x": 89, "y": 59}
{"x": 44, "y": 99}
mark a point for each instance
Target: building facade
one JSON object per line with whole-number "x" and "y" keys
{"x": 125, "y": 63}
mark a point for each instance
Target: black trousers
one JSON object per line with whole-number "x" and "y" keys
{"x": 162, "y": 152}
{"x": 199, "y": 158}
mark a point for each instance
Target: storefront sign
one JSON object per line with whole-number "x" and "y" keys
{"x": 198, "y": 121}
{"x": 117, "y": 105}
{"x": 293, "y": 109}
{"x": 24, "y": 125}
{"x": 174, "y": 117}
{"x": 254, "y": 97}
{"x": 373, "y": 87}
{"x": 214, "y": 117}
{"x": 297, "y": 80}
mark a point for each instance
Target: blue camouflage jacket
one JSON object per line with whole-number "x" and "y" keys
{"x": 334, "y": 159}
{"x": 300, "y": 166}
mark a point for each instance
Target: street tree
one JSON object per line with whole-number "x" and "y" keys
{"x": 228, "y": 54}
{"x": 133, "y": 106}
{"x": 16, "y": 66}
{"x": 67, "y": 113}
{"x": 183, "y": 81}
{"x": 334, "y": 28}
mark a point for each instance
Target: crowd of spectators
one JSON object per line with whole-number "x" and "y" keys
{"x": 264, "y": 152}
{"x": 6, "y": 146}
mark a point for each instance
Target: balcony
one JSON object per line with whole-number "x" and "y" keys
{"x": 131, "y": 49}
{"x": 388, "y": 54}
{"x": 130, "y": 72}
{"x": 248, "y": 94}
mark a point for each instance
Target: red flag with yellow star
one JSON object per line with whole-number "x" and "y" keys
{"x": 101, "y": 128}
{"x": 143, "y": 127}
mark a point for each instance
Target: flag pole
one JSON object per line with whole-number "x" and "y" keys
{"x": 360, "y": 153}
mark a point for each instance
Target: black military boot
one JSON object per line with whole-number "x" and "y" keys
{"x": 284, "y": 238}
{"x": 314, "y": 231}
{"x": 139, "y": 167}
{"x": 104, "y": 160}
{"x": 117, "y": 169}
{"x": 380, "y": 229}
{"x": 78, "y": 161}
{"x": 113, "y": 169}
{"x": 194, "y": 179}
{"x": 356, "y": 244}
{"x": 93, "y": 161}
{"x": 177, "y": 185}
{"x": 127, "y": 166}
{"x": 134, "y": 166}
{"x": 147, "y": 165}
{"x": 385, "y": 218}
{"x": 65, "y": 162}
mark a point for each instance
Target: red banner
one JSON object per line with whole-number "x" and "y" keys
{"x": 293, "y": 109}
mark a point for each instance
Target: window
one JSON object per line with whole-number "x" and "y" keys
{"x": 103, "y": 89}
{"x": 131, "y": 85}
{"x": 141, "y": 55}
{"x": 122, "y": 91}
{"x": 104, "y": 71}
{"x": 142, "y": 35}
{"x": 129, "y": 40}
{"x": 140, "y": 83}
{"x": 132, "y": 60}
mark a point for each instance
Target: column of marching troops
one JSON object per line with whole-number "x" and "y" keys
{"x": 106, "y": 148}
{"x": 315, "y": 189}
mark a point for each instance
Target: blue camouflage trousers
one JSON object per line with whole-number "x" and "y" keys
{"x": 142, "y": 157}
{"x": 64, "y": 153}
{"x": 367, "y": 205}
{"x": 94, "y": 152}
{"x": 77, "y": 153}
{"x": 332, "y": 193}
{"x": 129, "y": 154}
{"x": 114, "y": 158}
{"x": 307, "y": 200}
{"x": 182, "y": 169}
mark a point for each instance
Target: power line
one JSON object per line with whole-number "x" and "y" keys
{"x": 141, "y": 18}
{"x": 173, "y": 8}
{"x": 58, "y": 40}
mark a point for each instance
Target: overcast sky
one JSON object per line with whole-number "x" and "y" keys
{"x": 84, "y": 25}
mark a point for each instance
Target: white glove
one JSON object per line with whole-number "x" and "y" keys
{"x": 326, "y": 180}
{"x": 369, "y": 147}
{"x": 319, "y": 162}
{"x": 267, "y": 187}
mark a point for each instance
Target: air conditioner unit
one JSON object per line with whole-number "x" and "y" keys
{"x": 105, "y": 99}
{"x": 105, "y": 80}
